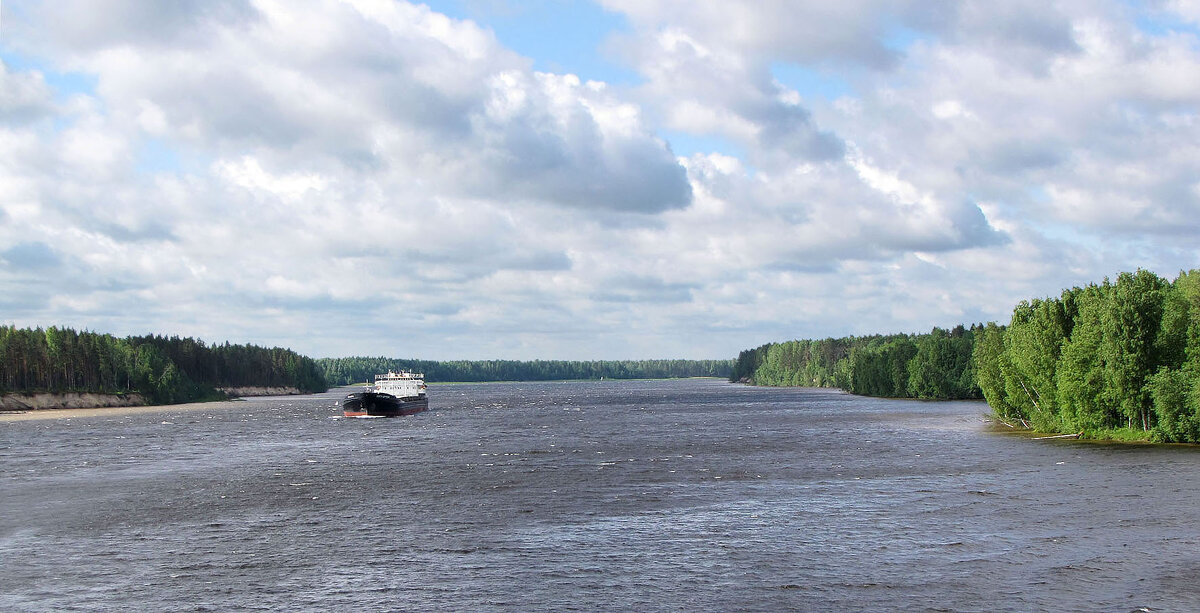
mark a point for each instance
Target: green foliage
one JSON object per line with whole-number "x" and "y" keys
{"x": 1119, "y": 435}
{"x": 1131, "y": 328}
{"x": 1119, "y": 357}
{"x": 1109, "y": 359}
{"x": 165, "y": 370}
{"x": 1032, "y": 343}
{"x": 748, "y": 362}
{"x": 1173, "y": 395}
{"x": 1175, "y": 387}
{"x": 882, "y": 370}
{"x": 936, "y": 365}
{"x": 942, "y": 367}
{"x": 991, "y": 364}
{"x": 345, "y": 371}
{"x": 1085, "y": 394}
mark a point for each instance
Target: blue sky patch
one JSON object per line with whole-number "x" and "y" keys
{"x": 684, "y": 144}
{"x": 64, "y": 84}
{"x": 811, "y": 83}
{"x": 561, "y": 36}
{"x": 899, "y": 38}
{"x": 1161, "y": 23}
{"x": 156, "y": 156}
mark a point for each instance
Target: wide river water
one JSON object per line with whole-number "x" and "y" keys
{"x": 690, "y": 495}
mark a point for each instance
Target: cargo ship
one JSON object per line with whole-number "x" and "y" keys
{"x": 394, "y": 394}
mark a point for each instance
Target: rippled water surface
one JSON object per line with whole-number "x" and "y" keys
{"x": 644, "y": 495}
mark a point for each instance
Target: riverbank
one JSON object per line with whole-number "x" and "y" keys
{"x": 48, "y": 414}
{"x": 1132, "y": 436}
{"x": 71, "y": 400}
{"x": 45, "y": 405}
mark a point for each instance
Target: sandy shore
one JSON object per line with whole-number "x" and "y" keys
{"x": 94, "y": 404}
{"x": 40, "y": 414}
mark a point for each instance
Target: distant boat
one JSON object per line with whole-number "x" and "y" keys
{"x": 394, "y": 394}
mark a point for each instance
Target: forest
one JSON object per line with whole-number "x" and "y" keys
{"x": 1111, "y": 360}
{"x": 164, "y": 370}
{"x": 346, "y": 371}
{"x": 1118, "y": 359}
{"x": 936, "y": 365}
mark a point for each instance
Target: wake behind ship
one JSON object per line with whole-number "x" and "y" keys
{"x": 394, "y": 394}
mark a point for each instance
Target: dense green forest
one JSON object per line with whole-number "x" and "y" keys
{"x": 1100, "y": 358}
{"x": 936, "y": 365}
{"x": 345, "y": 371}
{"x": 165, "y": 370}
{"x": 1115, "y": 359}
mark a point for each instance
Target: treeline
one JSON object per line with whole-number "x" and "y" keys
{"x": 165, "y": 370}
{"x": 1101, "y": 357}
{"x": 937, "y": 365}
{"x": 345, "y": 371}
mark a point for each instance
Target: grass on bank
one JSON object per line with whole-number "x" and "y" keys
{"x": 1120, "y": 435}
{"x": 1102, "y": 435}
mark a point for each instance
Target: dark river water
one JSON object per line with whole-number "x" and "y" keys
{"x": 694, "y": 495}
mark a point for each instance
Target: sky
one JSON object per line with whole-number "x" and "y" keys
{"x": 617, "y": 179}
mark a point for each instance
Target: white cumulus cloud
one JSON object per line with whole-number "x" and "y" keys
{"x": 373, "y": 177}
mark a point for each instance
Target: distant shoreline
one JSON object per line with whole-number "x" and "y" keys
{"x": 565, "y": 380}
{"x": 40, "y": 401}
{"x": 47, "y": 414}
{"x": 46, "y": 405}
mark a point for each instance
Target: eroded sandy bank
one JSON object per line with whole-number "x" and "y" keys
{"x": 118, "y": 411}
{"x": 24, "y": 407}
{"x": 72, "y": 400}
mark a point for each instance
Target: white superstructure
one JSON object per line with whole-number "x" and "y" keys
{"x": 402, "y": 384}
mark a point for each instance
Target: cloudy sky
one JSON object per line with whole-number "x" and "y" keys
{"x": 580, "y": 180}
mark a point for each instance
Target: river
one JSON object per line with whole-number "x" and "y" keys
{"x": 611, "y": 495}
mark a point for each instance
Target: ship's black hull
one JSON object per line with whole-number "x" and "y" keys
{"x": 378, "y": 404}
